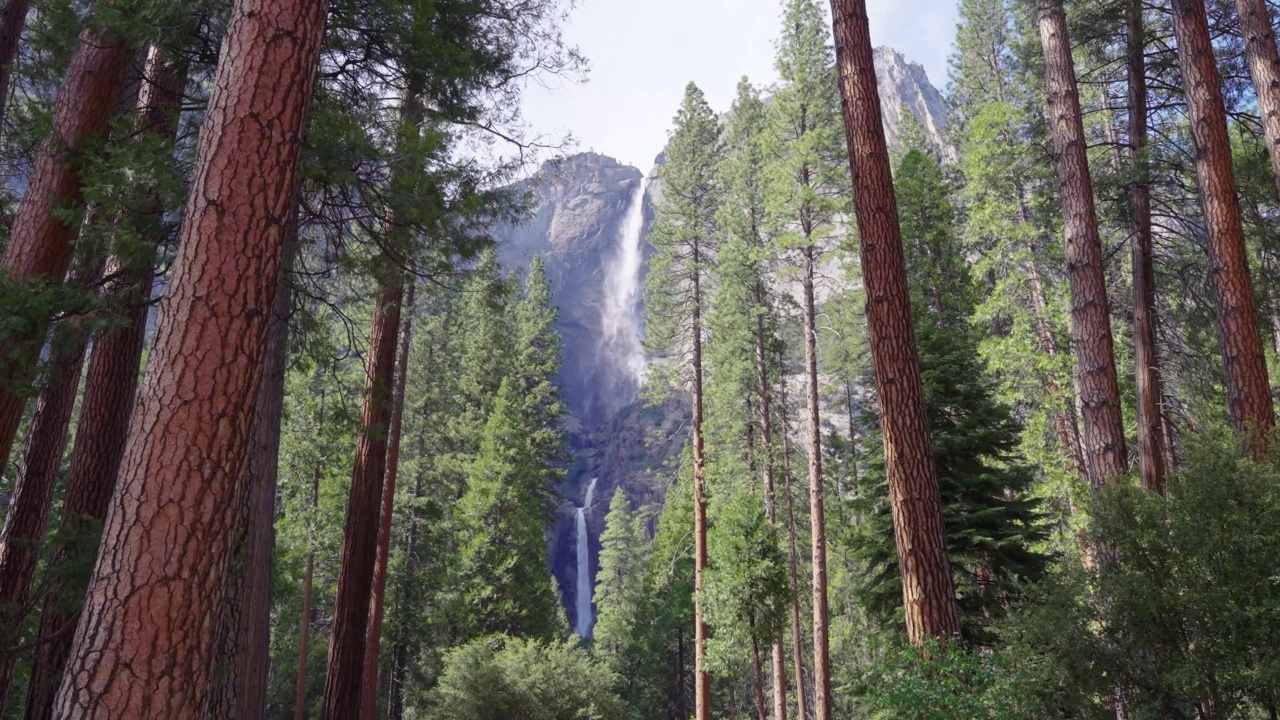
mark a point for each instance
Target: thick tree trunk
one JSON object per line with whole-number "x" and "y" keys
{"x": 1151, "y": 452}
{"x": 927, "y": 586}
{"x": 369, "y": 692}
{"x": 1099, "y": 391}
{"x": 342, "y": 685}
{"x": 167, "y": 540}
{"x": 764, "y": 405}
{"x": 24, "y": 524}
{"x": 108, "y": 399}
{"x": 701, "y": 678}
{"x": 1264, "y": 66}
{"x": 1248, "y": 387}
{"x": 304, "y": 626}
{"x": 817, "y": 493}
{"x": 12, "y": 21}
{"x": 240, "y": 670}
{"x": 40, "y": 239}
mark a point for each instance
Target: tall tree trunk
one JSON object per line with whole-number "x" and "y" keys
{"x": 1248, "y": 387}
{"x": 1151, "y": 452}
{"x": 927, "y": 587}
{"x": 110, "y": 387}
{"x": 764, "y": 405}
{"x": 343, "y": 682}
{"x": 793, "y": 561}
{"x": 304, "y": 634}
{"x": 12, "y": 21}
{"x": 1104, "y": 443}
{"x": 757, "y": 681}
{"x": 167, "y": 540}
{"x": 24, "y": 524}
{"x": 702, "y": 679}
{"x": 1264, "y": 67}
{"x": 40, "y": 238}
{"x": 239, "y": 685}
{"x": 400, "y": 656}
{"x": 817, "y": 521}
{"x": 347, "y": 651}
{"x": 369, "y": 692}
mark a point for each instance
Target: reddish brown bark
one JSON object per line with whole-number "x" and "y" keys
{"x": 927, "y": 586}
{"x": 1099, "y": 391}
{"x": 40, "y": 240}
{"x": 369, "y": 692}
{"x": 1151, "y": 451}
{"x": 12, "y": 21}
{"x": 1264, "y": 67}
{"x": 144, "y": 643}
{"x": 701, "y": 677}
{"x": 1248, "y": 387}
{"x": 343, "y": 682}
{"x": 24, "y": 524}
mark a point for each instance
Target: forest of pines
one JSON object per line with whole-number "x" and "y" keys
{"x": 972, "y": 421}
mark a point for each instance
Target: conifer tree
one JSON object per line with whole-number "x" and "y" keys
{"x": 677, "y": 294}
{"x": 502, "y": 555}
{"x": 928, "y": 590}
{"x": 620, "y": 584}
{"x": 810, "y": 187}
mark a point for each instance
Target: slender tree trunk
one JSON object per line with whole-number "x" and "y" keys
{"x": 1104, "y": 443}
{"x": 24, "y": 524}
{"x": 928, "y": 590}
{"x": 304, "y": 634}
{"x": 167, "y": 540}
{"x": 40, "y": 239}
{"x": 12, "y": 21}
{"x": 1264, "y": 67}
{"x": 359, "y": 547}
{"x": 1248, "y": 387}
{"x": 765, "y": 408}
{"x": 817, "y": 521}
{"x": 793, "y": 561}
{"x": 702, "y": 679}
{"x": 757, "y": 664}
{"x": 369, "y": 693}
{"x": 1151, "y": 452}
{"x": 400, "y": 659}
{"x": 110, "y": 387}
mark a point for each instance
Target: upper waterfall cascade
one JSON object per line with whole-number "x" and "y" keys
{"x": 622, "y": 323}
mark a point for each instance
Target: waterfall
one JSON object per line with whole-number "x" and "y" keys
{"x": 621, "y": 312}
{"x": 586, "y": 584}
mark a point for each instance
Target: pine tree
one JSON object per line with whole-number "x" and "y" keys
{"x": 620, "y": 584}
{"x": 684, "y": 237}
{"x": 502, "y": 555}
{"x": 168, "y": 535}
{"x": 810, "y": 187}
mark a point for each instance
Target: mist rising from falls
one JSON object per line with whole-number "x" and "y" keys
{"x": 621, "y": 319}
{"x": 586, "y": 584}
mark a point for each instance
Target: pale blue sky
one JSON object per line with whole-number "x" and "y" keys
{"x": 643, "y": 52}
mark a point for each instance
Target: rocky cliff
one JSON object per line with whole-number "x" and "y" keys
{"x": 580, "y": 208}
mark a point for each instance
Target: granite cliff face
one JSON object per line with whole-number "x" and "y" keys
{"x": 580, "y": 217}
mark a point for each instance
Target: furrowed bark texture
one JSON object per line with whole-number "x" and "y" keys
{"x": 369, "y": 691}
{"x": 12, "y": 21}
{"x": 1264, "y": 67}
{"x": 145, "y": 639}
{"x": 1099, "y": 391}
{"x": 108, "y": 399}
{"x": 1248, "y": 387}
{"x": 343, "y": 682}
{"x": 39, "y": 246}
{"x": 1151, "y": 451}
{"x": 927, "y": 586}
